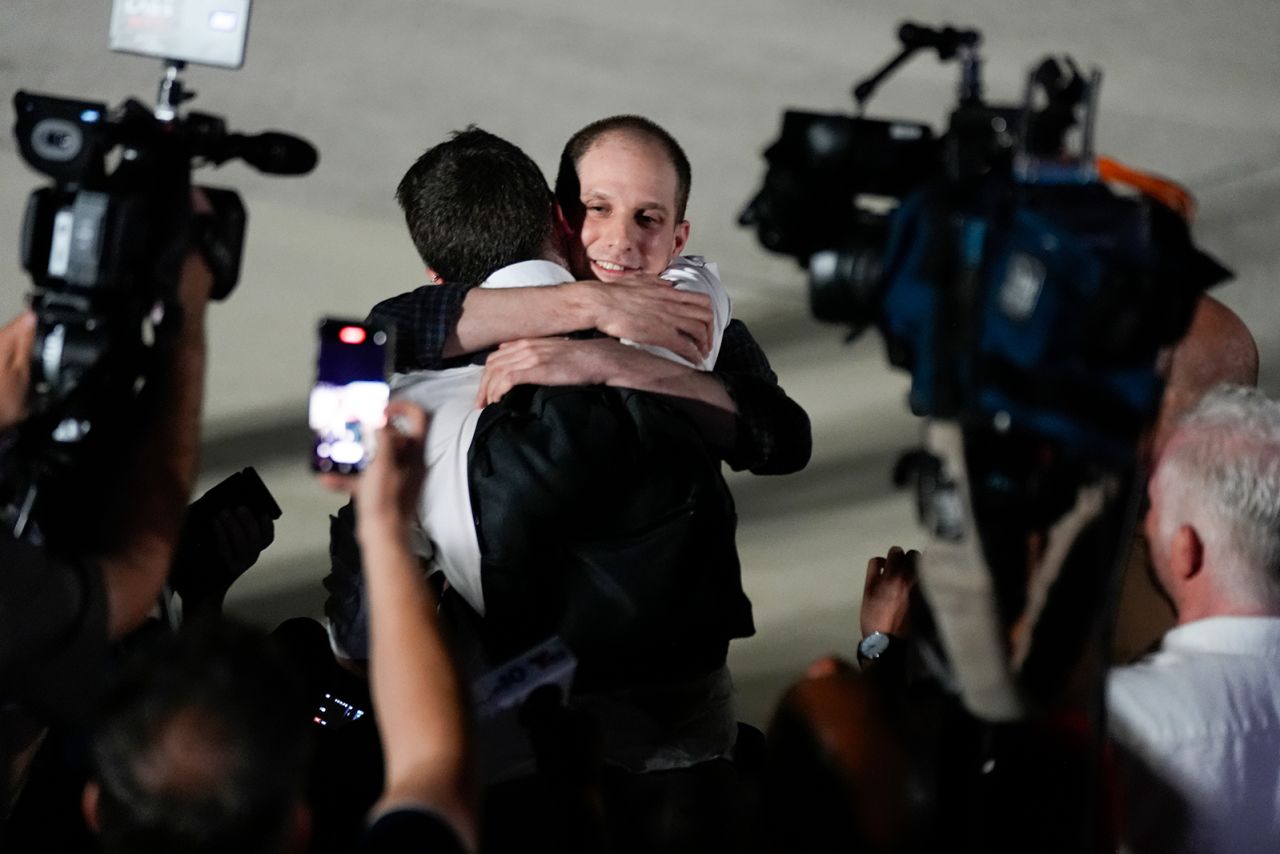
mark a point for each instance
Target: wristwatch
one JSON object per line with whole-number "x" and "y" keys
{"x": 874, "y": 646}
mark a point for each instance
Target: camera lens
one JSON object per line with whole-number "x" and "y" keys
{"x": 58, "y": 140}
{"x": 844, "y": 285}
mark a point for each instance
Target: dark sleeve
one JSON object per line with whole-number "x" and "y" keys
{"x": 409, "y": 829}
{"x": 773, "y": 436}
{"x": 53, "y": 631}
{"x": 345, "y": 606}
{"x": 422, "y": 320}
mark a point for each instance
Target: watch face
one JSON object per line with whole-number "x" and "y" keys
{"x": 874, "y": 645}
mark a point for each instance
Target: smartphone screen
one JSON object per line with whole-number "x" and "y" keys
{"x": 349, "y": 399}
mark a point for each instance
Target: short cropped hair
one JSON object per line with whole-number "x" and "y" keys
{"x": 202, "y": 747}
{"x": 476, "y": 203}
{"x": 1220, "y": 472}
{"x": 567, "y": 186}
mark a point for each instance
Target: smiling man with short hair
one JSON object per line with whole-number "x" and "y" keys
{"x": 746, "y": 414}
{"x": 624, "y": 184}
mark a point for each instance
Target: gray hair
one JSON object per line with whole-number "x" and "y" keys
{"x": 1220, "y": 473}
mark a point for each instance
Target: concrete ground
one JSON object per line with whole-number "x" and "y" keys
{"x": 1189, "y": 92}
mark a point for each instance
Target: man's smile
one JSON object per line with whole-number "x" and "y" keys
{"x": 612, "y": 267}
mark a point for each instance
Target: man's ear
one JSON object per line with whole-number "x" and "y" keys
{"x": 564, "y": 230}
{"x": 1186, "y": 553}
{"x": 569, "y": 216}
{"x": 682, "y": 238}
{"x": 89, "y": 805}
{"x": 434, "y": 277}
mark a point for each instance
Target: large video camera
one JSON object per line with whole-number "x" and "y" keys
{"x": 1020, "y": 290}
{"x": 104, "y": 243}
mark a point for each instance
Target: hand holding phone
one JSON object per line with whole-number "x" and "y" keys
{"x": 391, "y": 489}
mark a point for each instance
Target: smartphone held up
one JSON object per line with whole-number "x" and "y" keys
{"x": 349, "y": 400}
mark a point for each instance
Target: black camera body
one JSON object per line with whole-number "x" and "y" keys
{"x": 835, "y": 180}
{"x": 829, "y": 176}
{"x": 1020, "y": 291}
{"x": 103, "y": 248}
{"x": 104, "y": 245}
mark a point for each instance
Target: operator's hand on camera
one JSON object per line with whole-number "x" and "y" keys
{"x": 887, "y": 593}
{"x": 650, "y": 310}
{"x": 195, "y": 283}
{"x": 15, "y": 368}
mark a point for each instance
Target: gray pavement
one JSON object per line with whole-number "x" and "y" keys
{"x": 1189, "y": 91}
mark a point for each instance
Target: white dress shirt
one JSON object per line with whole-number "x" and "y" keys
{"x": 1200, "y": 722}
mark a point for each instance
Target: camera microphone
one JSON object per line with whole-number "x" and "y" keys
{"x": 272, "y": 152}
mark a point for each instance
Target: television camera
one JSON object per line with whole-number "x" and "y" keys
{"x": 1018, "y": 288}
{"x": 1029, "y": 298}
{"x": 104, "y": 242}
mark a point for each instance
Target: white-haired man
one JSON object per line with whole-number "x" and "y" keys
{"x": 1198, "y": 722}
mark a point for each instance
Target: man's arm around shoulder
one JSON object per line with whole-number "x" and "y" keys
{"x": 439, "y": 322}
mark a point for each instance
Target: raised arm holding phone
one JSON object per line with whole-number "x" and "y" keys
{"x": 427, "y": 802}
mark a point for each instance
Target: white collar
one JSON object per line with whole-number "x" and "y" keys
{"x": 1239, "y": 635}
{"x": 525, "y": 274}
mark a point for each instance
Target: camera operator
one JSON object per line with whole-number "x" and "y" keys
{"x": 58, "y": 615}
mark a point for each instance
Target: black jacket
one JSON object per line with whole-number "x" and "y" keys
{"x": 603, "y": 517}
